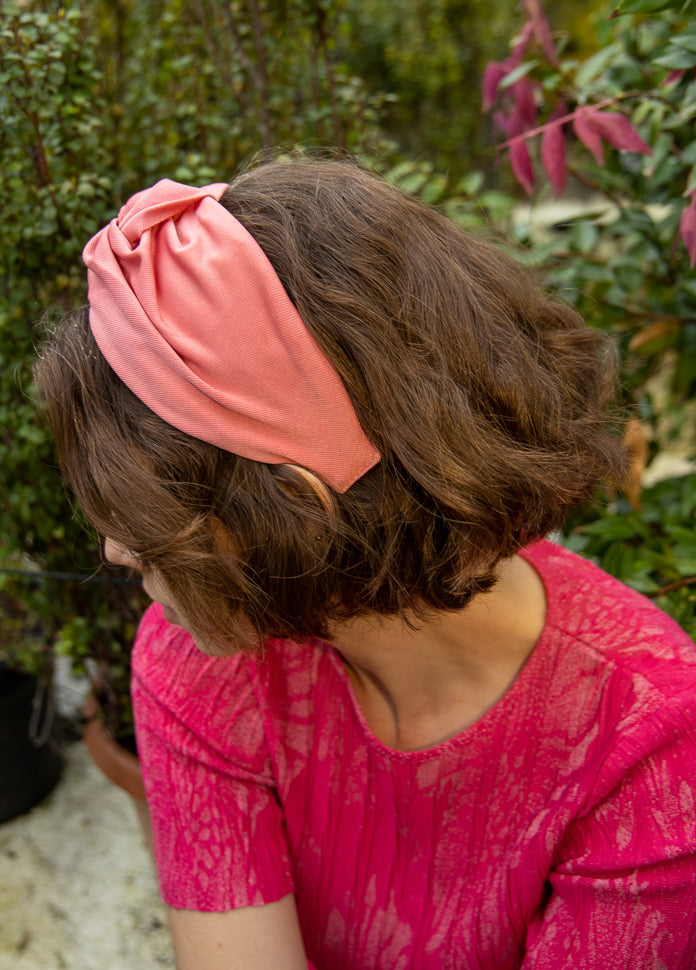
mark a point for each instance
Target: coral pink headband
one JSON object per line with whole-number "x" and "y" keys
{"x": 188, "y": 311}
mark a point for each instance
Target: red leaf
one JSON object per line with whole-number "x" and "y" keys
{"x": 522, "y": 165}
{"x": 618, "y": 131}
{"x": 672, "y": 77}
{"x": 503, "y": 122}
{"x": 492, "y": 76}
{"x": 523, "y": 93}
{"x": 542, "y": 31}
{"x": 587, "y": 134}
{"x": 520, "y": 47}
{"x": 553, "y": 154}
{"x": 687, "y": 229}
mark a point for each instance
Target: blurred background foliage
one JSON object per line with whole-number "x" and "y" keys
{"x": 99, "y": 98}
{"x": 603, "y": 142}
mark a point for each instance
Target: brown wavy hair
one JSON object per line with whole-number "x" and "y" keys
{"x": 487, "y": 399}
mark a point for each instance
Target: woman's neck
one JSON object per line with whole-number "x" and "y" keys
{"x": 418, "y": 687}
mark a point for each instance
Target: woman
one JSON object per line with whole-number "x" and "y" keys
{"x": 383, "y": 722}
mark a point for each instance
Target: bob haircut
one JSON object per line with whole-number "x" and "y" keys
{"x": 486, "y": 398}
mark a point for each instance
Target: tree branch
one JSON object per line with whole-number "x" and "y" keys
{"x": 37, "y": 152}
{"x": 262, "y": 76}
{"x": 330, "y": 78}
{"x": 670, "y": 587}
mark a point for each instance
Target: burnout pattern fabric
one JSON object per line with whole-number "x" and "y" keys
{"x": 557, "y": 831}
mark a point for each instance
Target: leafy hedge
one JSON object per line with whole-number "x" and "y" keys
{"x": 652, "y": 549}
{"x": 99, "y": 99}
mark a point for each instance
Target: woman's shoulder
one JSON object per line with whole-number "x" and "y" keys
{"x": 612, "y": 691}
{"x": 217, "y": 696}
{"x": 166, "y": 658}
{"x": 600, "y": 619}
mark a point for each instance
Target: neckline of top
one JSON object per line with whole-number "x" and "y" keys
{"x": 536, "y": 557}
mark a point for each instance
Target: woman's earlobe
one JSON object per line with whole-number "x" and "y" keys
{"x": 312, "y": 501}
{"x": 320, "y": 489}
{"x": 118, "y": 555}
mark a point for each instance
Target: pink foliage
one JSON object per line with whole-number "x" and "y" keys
{"x": 687, "y": 229}
{"x": 524, "y": 96}
{"x": 619, "y": 132}
{"x": 536, "y": 26}
{"x": 492, "y": 76}
{"x": 588, "y": 134}
{"x": 518, "y": 119}
{"x": 553, "y": 155}
{"x": 540, "y": 29}
{"x": 593, "y": 127}
{"x": 522, "y": 165}
{"x": 520, "y": 160}
{"x": 523, "y": 38}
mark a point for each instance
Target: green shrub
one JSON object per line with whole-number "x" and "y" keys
{"x": 98, "y": 100}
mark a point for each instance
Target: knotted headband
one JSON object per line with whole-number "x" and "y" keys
{"x": 190, "y": 314}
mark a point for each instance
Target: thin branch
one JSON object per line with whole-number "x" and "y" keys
{"x": 38, "y": 156}
{"x": 566, "y": 118}
{"x": 262, "y": 75}
{"x": 670, "y": 587}
{"x": 314, "y": 83}
{"x": 218, "y": 57}
{"x": 330, "y": 78}
{"x": 590, "y": 183}
{"x": 37, "y": 152}
{"x": 247, "y": 63}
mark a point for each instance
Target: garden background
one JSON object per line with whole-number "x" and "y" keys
{"x": 570, "y": 130}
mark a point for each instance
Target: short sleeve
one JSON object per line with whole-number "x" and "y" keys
{"x": 623, "y": 885}
{"x": 219, "y": 835}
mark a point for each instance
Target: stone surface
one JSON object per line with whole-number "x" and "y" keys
{"x": 77, "y": 886}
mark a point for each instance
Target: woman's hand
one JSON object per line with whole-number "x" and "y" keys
{"x": 259, "y": 937}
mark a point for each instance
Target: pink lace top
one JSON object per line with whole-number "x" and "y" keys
{"x": 557, "y": 831}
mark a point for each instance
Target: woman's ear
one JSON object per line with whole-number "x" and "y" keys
{"x": 311, "y": 498}
{"x": 287, "y": 475}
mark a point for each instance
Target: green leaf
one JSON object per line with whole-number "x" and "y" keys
{"x": 686, "y": 39}
{"x": 595, "y": 272}
{"x": 689, "y": 286}
{"x": 434, "y": 189}
{"x": 686, "y": 565}
{"x": 684, "y": 116}
{"x": 627, "y": 274}
{"x": 611, "y": 527}
{"x": 471, "y": 183}
{"x": 618, "y": 560}
{"x": 397, "y": 172}
{"x": 645, "y": 6}
{"x": 691, "y": 181}
{"x": 595, "y": 65}
{"x": 677, "y": 59}
{"x": 642, "y": 584}
{"x": 497, "y": 203}
{"x": 648, "y": 109}
{"x": 413, "y": 183}
{"x": 518, "y": 73}
{"x": 583, "y": 237}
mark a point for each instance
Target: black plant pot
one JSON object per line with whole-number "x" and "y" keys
{"x": 30, "y": 758}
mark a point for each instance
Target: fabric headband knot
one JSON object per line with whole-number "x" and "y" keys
{"x": 190, "y": 314}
